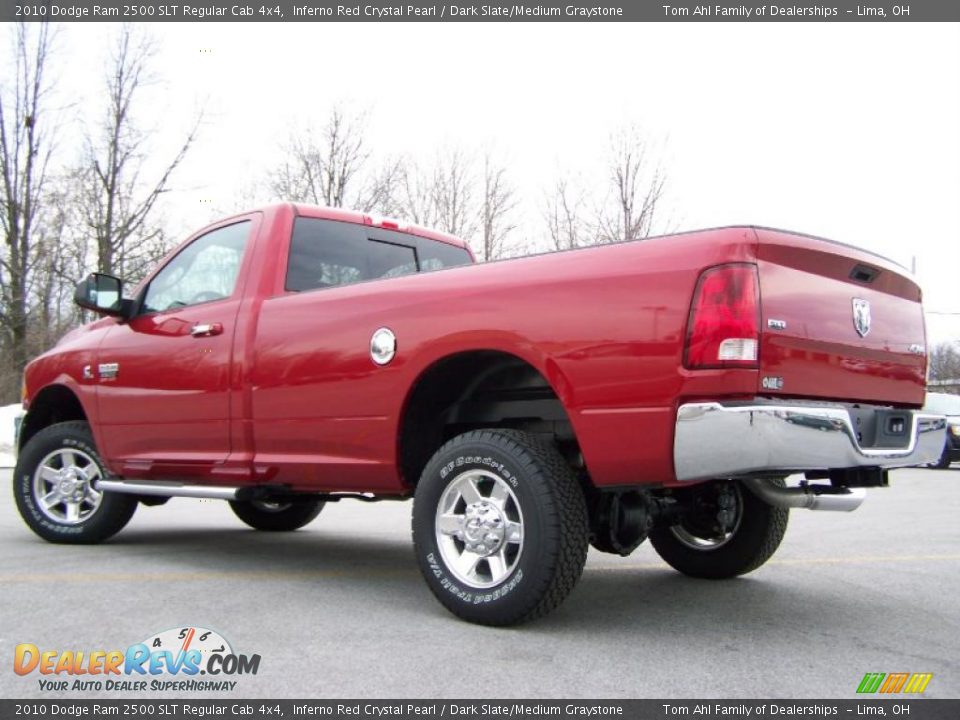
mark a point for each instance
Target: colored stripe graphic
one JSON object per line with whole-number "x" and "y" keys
{"x": 871, "y": 682}
{"x": 918, "y": 682}
{"x": 892, "y": 683}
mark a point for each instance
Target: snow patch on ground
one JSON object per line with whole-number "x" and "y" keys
{"x": 7, "y": 429}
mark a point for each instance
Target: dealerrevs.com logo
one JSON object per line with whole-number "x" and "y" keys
{"x": 187, "y": 659}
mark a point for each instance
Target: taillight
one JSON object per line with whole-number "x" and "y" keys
{"x": 723, "y": 329}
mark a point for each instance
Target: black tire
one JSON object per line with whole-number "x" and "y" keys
{"x": 754, "y": 540}
{"x": 101, "y": 522}
{"x": 281, "y": 516}
{"x": 543, "y": 494}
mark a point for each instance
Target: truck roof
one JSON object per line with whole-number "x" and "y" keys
{"x": 352, "y": 216}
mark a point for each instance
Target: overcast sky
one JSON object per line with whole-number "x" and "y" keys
{"x": 850, "y": 131}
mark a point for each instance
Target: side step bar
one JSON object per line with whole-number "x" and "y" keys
{"x": 167, "y": 488}
{"x": 171, "y": 489}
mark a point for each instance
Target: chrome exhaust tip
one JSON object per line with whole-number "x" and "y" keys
{"x": 808, "y": 497}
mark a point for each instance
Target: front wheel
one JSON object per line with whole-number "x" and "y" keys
{"x": 55, "y": 488}
{"x": 723, "y": 531}
{"x": 499, "y": 527}
{"x": 277, "y": 516}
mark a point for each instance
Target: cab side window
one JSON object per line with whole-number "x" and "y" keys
{"x": 326, "y": 253}
{"x": 204, "y": 271}
{"x": 435, "y": 255}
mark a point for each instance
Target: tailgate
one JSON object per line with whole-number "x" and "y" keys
{"x": 837, "y": 323}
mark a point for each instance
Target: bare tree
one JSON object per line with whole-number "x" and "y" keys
{"x": 625, "y": 208}
{"x": 26, "y": 142}
{"x": 332, "y": 167}
{"x": 637, "y": 186}
{"x": 415, "y": 194}
{"x": 444, "y": 195}
{"x": 499, "y": 202}
{"x": 945, "y": 361}
{"x": 117, "y": 202}
{"x": 379, "y": 190}
{"x": 454, "y": 195}
{"x": 564, "y": 214}
{"x": 61, "y": 259}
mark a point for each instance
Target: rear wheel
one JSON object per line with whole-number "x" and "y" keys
{"x": 277, "y": 515}
{"x": 55, "y": 488}
{"x": 724, "y": 531}
{"x": 499, "y": 527}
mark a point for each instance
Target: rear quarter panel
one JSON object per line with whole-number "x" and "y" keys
{"x": 604, "y": 325}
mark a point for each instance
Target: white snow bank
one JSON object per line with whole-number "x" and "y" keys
{"x": 7, "y": 429}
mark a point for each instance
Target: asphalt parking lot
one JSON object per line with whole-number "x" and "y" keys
{"x": 339, "y": 609}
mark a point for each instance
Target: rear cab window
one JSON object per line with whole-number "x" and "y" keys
{"x": 330, "y": 253}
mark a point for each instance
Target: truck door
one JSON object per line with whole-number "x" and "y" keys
{"x": 164, "y": 377}
{"x": 321, "y": 407}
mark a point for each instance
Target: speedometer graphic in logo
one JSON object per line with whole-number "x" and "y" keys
{"x": 184, "y": 639}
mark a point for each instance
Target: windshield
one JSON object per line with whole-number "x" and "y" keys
{"x": 943, "y": 404}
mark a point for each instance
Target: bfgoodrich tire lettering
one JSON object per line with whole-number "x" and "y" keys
{"x": 108, "y": 517}
{"x": 549, "y": 560}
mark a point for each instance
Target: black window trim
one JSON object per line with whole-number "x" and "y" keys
{"x": 416, "y": 254}
{"x": 413, "y": 244}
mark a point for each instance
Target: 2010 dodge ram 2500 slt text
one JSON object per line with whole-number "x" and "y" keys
{"x": 661, "y": 389}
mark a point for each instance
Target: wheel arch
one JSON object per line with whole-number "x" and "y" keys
{"x": 480, "y": 388}
{"x": 53, "y": 404}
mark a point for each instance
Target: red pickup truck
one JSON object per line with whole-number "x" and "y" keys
{"x": 662, "y": 389}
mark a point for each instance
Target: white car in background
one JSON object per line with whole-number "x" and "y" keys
{"x": 10, "y": 416}
{"x": 949, "y": 405}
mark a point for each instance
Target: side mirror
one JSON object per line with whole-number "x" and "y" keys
{"x": 103, "y": 294}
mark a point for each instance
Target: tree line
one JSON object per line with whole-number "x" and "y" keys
{"x": 471, "y": 195}
{"x": 944, "y": 363}
{"x": 65, "y": 212}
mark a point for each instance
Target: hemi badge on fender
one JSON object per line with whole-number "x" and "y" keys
{"x": 108, "y": 371}
{"x": 777, "y": 324}
{"x": 916, "y": 349}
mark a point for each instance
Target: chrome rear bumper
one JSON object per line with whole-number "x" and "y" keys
{"x": 713, "y": 440}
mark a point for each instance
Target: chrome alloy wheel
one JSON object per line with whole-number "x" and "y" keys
{"x": 479, "y": 528}
{"x": 64, "y": 486}
{"x": 715, "y": 532}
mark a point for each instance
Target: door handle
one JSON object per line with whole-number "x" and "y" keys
{"x": 206, "y": 329}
